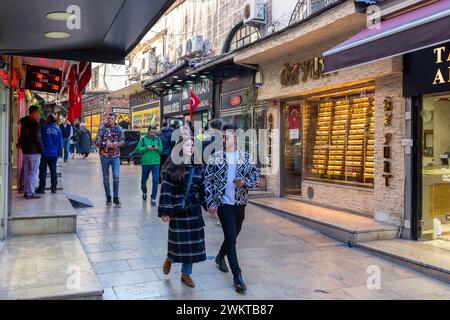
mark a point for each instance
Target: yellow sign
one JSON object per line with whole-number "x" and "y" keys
{"x": 145, "y": 118}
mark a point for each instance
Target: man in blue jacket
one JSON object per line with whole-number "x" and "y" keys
{"x": 53, "y": 148}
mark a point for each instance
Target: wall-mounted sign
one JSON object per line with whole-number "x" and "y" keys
{"x": 171, "y": 103}
{"x": 387, "y": 174}
{"x": 303, "y": 71}
{"x": 141, "y": 98}
{"x": 43, "y": 79}
{"x": 236, "y": 100}
{"x": 427, "y": 71}
{"x": 203, "y": 90}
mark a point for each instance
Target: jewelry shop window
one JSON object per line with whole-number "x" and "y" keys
{"x": 338, "y": 137}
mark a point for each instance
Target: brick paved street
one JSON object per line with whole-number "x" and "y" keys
{"x": 280, "y": 259}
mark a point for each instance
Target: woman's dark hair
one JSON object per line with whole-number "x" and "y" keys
{"x": 51, "y": 119}
{"x": 176, "y": 172}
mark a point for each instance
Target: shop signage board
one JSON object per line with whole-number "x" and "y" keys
{"x": 141, "y": 98}
{"x": 171, "y": 103}
{"x": 427, "y": 71}
{"x": 43, "y": 79}
{"x": 203, "y": 90}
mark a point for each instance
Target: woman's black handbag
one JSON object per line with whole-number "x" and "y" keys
{"x": 188, "y": 188}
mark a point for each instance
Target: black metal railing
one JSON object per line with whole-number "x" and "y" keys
{"x": 307, "y": 8}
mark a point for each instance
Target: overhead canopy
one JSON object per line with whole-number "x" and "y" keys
{"x": 109, "y": 29}
{"x": 412, "y": 31}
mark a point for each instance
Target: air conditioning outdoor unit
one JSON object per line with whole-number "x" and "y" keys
{"x": 182, "y": 50}
{"x": 151, "y": 62}
{"x": 195, "y": 45}
{"x": 255, "y": 12}
{"x": 134, "y": 74}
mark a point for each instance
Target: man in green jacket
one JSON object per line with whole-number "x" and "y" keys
{"x": 150, "y": 147}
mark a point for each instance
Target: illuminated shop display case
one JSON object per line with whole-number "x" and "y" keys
{"x": 339, "y": 137}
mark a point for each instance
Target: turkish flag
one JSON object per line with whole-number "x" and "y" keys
{"x": 194, "y": 102}
{"x": 79, "y": 76}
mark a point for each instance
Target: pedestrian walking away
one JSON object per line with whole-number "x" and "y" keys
{"x": 84, "y": 140}
{"x": 150, "y": 147}
{"x": 110, "y": 138}
{"x": 67, "y": 134}
{"x": 53, "y": 149}
{"x": 229, "y": 175}
{"x": 180, "y": 202}
{"x": 167, "y": 144}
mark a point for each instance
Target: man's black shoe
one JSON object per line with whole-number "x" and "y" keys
{"x": 108, "y": 201}
{"x": 33, "y": 196}
{"x": 220, "y": 261}
{"x": 39, "y": 191}
{"x": 239, "y": 284}
{"x": 54, "y": 191}
{"x": 144, "y": 197}
{"x": 153, "y": 202}
{"x": 117, "y": 203}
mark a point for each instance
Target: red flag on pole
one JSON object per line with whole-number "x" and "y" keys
{"x": 195, "y": 102}
{"x": 79, "y": 76}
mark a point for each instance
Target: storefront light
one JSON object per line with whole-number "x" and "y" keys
{"x": 58, "y": 16}
{"x": 57, "y": 35}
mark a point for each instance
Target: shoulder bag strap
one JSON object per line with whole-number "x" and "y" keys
{"x": 188, "y": 188}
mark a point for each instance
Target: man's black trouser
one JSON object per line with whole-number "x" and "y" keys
{"x": 231, "y": 218}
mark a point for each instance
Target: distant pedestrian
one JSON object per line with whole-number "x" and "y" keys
{"x": 53, "y": 149}
{"x": 74, "y": 140}
{"x": 167, "y": 144}
{"x": 67, "y": 134}
{"x": 150, "y": 147}
{"x": 84, "y": 141}
{"x": 110, "y": 138}
{"x": 229, "y": 175}
{"x": 30, "y": 142}
{"x": 180, "y": 202}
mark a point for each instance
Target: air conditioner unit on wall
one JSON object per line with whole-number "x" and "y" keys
{"x": 195, "y": 46}
{"x": 255, "y": 12}
{"x": 150, "y": 66}
{"x": 182, "y": 50}
{"x": 134, "y": 74}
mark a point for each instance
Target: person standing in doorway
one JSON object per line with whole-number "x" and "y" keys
{"x": 229, "y": 175}
{"x": 110, "y": 138}
{"x": 53, "y": 149}
{"x": 150, "y": 147}
{"x": 30, "y": 142}
{"x": 67, "y": 133}
{"x": 84, "y": 140}
{"x": 180, "y": 203}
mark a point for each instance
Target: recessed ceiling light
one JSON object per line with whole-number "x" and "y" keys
{"x": 164, "y": 82}
{"x": 193, "y": 75}
{"x": 180, "y": 80}
{"x": 57, "y": 35}
{"x": 58, "y": 15}
{"x": 175, "y": 77}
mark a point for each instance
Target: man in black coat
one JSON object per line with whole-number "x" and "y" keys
{"x": 31, "y": 144}
{"x": 166, "y": 137}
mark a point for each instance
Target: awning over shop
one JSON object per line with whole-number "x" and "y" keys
{"x": 411, "y": 31}
{"x": 102, "y": 30}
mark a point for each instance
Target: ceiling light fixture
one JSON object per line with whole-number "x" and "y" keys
{"x": 57, "y": 35}
{"x": 58, "y": 16}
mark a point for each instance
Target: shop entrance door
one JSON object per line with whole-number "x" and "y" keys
{"x": 4, "y": 157}
{"x": 435, "y": 155}
{"x": 292, "y": 149}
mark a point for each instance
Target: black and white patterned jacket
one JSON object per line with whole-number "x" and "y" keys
{"x": 216, "y": 174}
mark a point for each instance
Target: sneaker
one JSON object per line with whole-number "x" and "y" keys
{"x": 144, "y": 197}
{"x": 153, "y": 202}
{"x": 108, "y": 201}
{"x": 117, "y": 203}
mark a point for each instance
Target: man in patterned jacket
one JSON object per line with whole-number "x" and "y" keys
{"x": 109, "y": 139}
{"x": 229, "y": 174}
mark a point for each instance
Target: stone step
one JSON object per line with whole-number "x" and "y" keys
{"x": 260, "y": 194}
{"x": 424, "y": 258}
{"x": 343, "y": 226}
{"x": 47, "y": 267}
{"x": 51, "y": 214}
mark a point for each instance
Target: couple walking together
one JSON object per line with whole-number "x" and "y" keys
{"x": 221, "y": 187}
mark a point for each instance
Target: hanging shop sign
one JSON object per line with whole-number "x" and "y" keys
{"x": 43, "y": 79}
{"x": 203, "y": 90}
{"x": 303, "y": 71}
{"x": 427, "y": 71}
{"x": 171, "y": 103}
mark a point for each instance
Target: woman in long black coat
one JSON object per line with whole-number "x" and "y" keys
{"x": 84, "y": 141}
{"x": 186, "y": 243}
